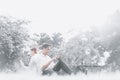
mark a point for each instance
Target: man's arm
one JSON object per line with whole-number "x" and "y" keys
{"x": 48, "y": 63}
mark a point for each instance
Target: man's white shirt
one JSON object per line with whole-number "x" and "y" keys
{"x": 38, "y": 60}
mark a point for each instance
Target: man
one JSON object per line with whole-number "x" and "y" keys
{"x": 46, "y": 64}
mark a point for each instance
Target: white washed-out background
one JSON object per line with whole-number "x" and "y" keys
{"x": 80, "y": 76}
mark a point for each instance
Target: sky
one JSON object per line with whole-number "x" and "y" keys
{"x": 59, "y": 15}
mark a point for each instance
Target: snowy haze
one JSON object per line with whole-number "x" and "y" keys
{"x": 59, "y": 16}
{"x": 64, "y": 16}
{"x": 31, "y": 76}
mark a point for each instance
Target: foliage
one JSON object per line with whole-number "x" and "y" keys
{"x": 55, "y": 39}
{"x": 12, "y": 38}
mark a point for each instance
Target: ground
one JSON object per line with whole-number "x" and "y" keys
{"x": 80, "y": 76}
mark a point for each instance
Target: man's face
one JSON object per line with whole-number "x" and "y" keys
{"x": 46, "y": 50}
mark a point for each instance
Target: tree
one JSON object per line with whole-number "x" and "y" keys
{"x": 55, "y": 40}
{"x": 43, "y": 38}
{"x": 80, "y": 49}
{"x": 12, "y": 38}
{"x": 111, "y": 38}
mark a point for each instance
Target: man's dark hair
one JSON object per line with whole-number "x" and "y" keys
{"x": 45, "y": 46}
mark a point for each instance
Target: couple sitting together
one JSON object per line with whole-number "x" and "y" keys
{"x": 46, "y": 65}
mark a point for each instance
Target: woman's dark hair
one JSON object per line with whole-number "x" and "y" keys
{"x": 34, "y": 49}
{"x": 45, "y": 46}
